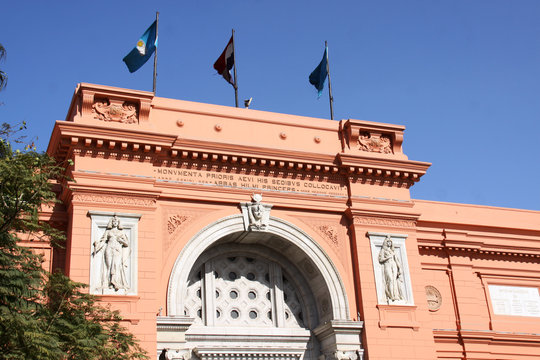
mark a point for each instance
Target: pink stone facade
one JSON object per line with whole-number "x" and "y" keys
{"x": 469, "y": 275}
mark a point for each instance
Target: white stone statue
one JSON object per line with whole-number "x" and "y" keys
{"x": 115, "y": 247}
{"x": 392, "y": 272}
{"x": 256, "y": 214}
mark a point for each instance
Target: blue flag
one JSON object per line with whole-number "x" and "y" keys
{"x": 318, "y": 76}
{"x": 143, "y": 50}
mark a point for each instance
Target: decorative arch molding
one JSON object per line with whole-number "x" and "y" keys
{"x": 212, "y": 233}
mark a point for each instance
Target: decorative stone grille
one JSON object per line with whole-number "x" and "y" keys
{"x": 247, "y": 291}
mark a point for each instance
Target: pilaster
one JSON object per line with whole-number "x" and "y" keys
{"x": 385, "y": 320}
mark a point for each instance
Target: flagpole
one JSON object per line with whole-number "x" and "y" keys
{"x": 155, "y": 53}
{"x": 329, "y": 83}
{"x": 235, "y": 78}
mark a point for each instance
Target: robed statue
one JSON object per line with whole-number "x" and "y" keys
{"x": 114, "y": 244}
{"x": 392, "y": 271}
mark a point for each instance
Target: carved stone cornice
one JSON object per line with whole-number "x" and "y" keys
{"x": 97, "y": 141}
{"x": 130, "y": 144}
{"x": 486, "y": 336}
{"x": 174, "y": 323}
{"x": 382, "y": 170}
{"x": 482, "y": 248}
{"x": 106, "y": 122}
{"x": 462, "y": 243}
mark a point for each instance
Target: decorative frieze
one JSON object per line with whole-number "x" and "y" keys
{"x": 382, "y": 221}
{"x": 113, "y": 199}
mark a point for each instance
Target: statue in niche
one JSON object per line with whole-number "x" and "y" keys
{"x": 392, "y": 272}
{"x": 115, "y": 247}
{"x": 258, "y": 214}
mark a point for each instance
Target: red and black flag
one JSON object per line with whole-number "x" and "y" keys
{"x": 225, "y": 62}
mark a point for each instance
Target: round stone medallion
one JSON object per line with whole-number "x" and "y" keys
{"x": 434, "y": 298}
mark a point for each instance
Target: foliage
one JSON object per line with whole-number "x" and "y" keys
{"x": 42, "y": 315}
{"x": 83, "y": 329}
{"x": 3, "y": 75}
{"x": 45, "y": 316}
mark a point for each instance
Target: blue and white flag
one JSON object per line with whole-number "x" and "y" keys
{"x": 318, "y": 76}
{"x": 143, "y": 50}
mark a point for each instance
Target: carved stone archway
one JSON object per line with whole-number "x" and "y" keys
{"x": 323, "y": 295}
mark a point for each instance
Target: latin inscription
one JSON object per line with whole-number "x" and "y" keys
{"x": 515, "y": 300}
{"x": 252, "y": 182}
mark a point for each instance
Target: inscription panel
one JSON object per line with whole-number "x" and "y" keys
{"x": 515, "y": 300}
{"x": 318, "y": 186}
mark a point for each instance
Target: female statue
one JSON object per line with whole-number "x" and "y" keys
{"x": 115, "y": 246}
{"x": 391, "y": 271}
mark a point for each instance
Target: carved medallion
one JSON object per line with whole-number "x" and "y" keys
{"x": 118, "y": 111}
{"x": 374, "y": 142}
{"x": 434, "y": 298}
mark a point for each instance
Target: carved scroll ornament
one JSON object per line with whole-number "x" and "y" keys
{"x": 117, "y": 111}
{"x": 375, "y": 142}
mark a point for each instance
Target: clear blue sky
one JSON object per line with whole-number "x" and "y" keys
{"x": 462, "y": 75}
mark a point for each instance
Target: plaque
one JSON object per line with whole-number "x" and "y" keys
{"x": 515, "y": 300}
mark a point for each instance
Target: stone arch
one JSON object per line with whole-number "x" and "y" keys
{"x": 211, "y": 234}
{"x": 325, "y": 328}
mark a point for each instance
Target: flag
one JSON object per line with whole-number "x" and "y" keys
{"x": 225, "y": 62}
{"x": 143, "y": 50}
{"x": 318, "y": 76}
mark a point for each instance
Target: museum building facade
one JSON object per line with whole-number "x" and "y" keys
{"x": 225, "y": 234}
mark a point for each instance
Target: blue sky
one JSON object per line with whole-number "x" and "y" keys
{"x": 461, "y": 75}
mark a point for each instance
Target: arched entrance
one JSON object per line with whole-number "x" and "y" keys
{"x": 245, "y": 294}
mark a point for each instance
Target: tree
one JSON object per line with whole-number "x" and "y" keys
{"x": 43, "y": 315}
{"x": 3, "y": 75}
